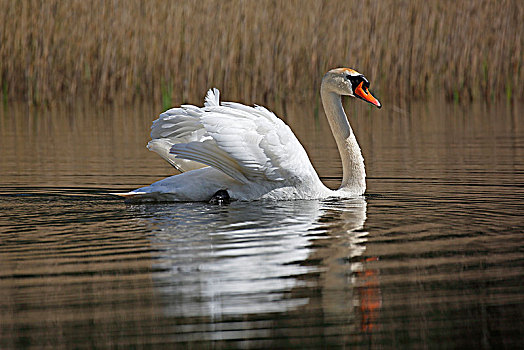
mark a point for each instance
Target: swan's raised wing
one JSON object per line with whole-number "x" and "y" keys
{"x": 246, "y": 143}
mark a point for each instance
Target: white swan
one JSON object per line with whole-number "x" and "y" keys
{"x": 251, "y": 153}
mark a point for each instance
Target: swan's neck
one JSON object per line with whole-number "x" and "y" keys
{"x": 353, "y": 172}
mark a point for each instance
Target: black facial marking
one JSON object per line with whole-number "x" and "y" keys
{"x": 357, "y": 79}
{"x": 366, "y": 82}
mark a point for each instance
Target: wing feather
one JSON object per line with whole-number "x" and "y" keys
{"x": 208, "y": 153}
{"x": 176, "y": 125}
{"x": 212, "y": 98}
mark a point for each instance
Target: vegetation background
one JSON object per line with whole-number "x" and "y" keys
{"x": 264, "y": 51}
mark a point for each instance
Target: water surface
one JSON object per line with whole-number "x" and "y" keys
{"x": 431, "y": 256}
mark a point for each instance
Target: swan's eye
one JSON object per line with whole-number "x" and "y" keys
{"x": 355, "y": 80}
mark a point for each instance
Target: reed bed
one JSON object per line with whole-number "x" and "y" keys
{"x": 172, "y": 51}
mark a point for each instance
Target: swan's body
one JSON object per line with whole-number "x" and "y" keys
{"x": 250, "y": 152}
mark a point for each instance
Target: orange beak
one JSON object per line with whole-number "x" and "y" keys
{"x": 363, "y": 93}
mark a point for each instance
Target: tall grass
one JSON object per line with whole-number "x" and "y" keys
{"x": 128, "y": 50}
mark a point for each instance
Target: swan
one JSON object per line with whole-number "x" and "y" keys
{"x": 251, "y": 153}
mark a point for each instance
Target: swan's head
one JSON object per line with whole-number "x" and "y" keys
{"x": 348, "y": 82}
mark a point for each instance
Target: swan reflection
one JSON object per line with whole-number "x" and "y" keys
{"x": 256, "y": 257}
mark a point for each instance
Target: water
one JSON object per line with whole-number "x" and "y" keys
{"x": 431, "y": 257}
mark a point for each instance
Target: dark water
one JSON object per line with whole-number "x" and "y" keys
{"x": 432, "y": 257}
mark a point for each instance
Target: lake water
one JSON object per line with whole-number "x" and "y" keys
{"x": 431, "y": 257}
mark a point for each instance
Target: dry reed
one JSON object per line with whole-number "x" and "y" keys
{"x": 172, "y": 51}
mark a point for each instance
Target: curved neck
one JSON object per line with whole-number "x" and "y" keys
{"x": 353, "y": 172}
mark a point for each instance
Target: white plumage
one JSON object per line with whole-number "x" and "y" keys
{"x": 247, "y": 151}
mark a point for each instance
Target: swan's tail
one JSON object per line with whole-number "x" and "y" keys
{"x": 129, "y": 195}
{"x": 145, "y": 197}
